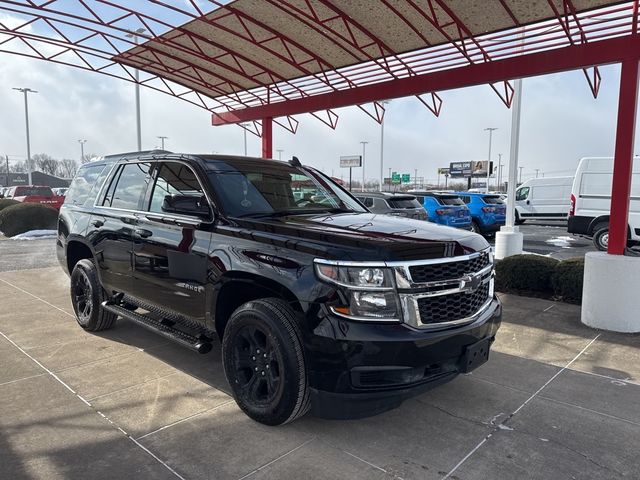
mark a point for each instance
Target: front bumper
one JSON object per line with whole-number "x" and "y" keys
{"x": 369, "y": 368}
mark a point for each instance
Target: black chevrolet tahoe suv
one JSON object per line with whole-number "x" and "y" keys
{"x": 319, "y": 304}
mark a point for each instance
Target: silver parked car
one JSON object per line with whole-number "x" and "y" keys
{"x": 397, "y": 204}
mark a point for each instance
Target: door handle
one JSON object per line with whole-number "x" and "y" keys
{"x": 97, "y": 223}
{"x": 528, "y": 202}
{"x": 144, "y": 233}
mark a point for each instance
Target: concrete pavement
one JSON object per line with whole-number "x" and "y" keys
{"x": 556, "y": 400}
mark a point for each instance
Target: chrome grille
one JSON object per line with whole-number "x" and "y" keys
{"x": 438, "y": 272}
{"x": 456, "y": 306}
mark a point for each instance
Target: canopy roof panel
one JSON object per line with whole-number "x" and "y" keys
{"x": 232, "y": 56}
{"x": 252, "y": 52}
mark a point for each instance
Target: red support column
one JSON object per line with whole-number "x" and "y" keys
{"x": 267, "y": 137}
{"x": 623, "y": 161}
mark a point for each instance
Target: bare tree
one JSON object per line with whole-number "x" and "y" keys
{"x": 67, "y": 167}
{"x": 87, "y": 157}
{"x": 45, "y": 163}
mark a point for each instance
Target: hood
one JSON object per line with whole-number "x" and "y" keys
{"x": 364, "y": 236}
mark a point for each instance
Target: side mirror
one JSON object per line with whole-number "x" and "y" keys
{"x": 186, "y": 205}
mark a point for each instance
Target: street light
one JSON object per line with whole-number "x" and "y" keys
{"x": 162, "y": 139}
{"x": 244, "y": 130}
{"x": 279, "y": 153}
{"x": 490, "y": 130}
{"x": 82, "y": 142}
{"x": 383, "y": 103}
{"x": 26, "y": 91}
{"x": 134, "y": 35}
{"x": 364, "y": 144}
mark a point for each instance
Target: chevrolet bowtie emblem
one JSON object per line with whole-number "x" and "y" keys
{"x": 470, "y": 283}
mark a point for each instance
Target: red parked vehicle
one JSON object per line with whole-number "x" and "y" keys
{"x": 36, "y": 194}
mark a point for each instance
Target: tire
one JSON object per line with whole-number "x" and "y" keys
{"x": 86, "y": 297}
{"x": 264, "y": 362}
{"x": 601, "y": 237}
{"x": 475, "y": 228}
{"x": 518, "y": 220}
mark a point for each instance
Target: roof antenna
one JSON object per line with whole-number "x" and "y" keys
{"x": 294, "y": 162}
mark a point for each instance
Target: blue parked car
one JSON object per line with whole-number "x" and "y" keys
{"x": 445, "y": 208}
{"x": 488, "y": 212}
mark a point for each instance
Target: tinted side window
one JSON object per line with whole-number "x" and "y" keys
{"x": 368, "y": 202}
{"x": 174, "y": 179}
{"x": 131, "y": 185}
{"x": 84, "y": 183}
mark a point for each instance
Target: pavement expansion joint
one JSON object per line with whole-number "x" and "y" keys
{"x": 500, "y": 427}
{"x": 83, "y": 400}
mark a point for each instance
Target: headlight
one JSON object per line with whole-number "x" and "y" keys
{"x": 360, "y": 277}
{"x": 371, "y": 290}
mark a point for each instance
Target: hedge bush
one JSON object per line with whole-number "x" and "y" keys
{"x": 20, "y": 218}
{"x": 525, "y": 273}
{"x": 7, "y": 202}
{"x": 567, "y": 280}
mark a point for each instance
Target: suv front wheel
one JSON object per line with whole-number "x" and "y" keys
{"x": 264, "y": 362}
{"x": 86, "y": 297}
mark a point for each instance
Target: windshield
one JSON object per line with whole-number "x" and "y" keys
{"x": 407, "y": 202}
{"x": 249, "y": 189}
{"x": 450, "y": 200}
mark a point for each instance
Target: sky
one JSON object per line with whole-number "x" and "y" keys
{"x": 561, "y": 122}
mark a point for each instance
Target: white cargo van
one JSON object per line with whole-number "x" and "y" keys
{"x": 543, "y": 199}
{"x": 591, "y": 201}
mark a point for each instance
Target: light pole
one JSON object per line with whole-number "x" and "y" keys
{"x": 280, "y": 153}
{"x": 364, "y": 144}
{"x": 244, "y": 131}
{"x": 383, "y": 103}
{"x": 537, "y": 170}
{"x": 162, "y": 139}
{"x": 490, "y": 130}
{"x": 82, "y": 142}
{"x": 500, "y": 172}
{"x": 520, "y": 181}
{"x": 26, "y": 91}
{"x": 134, "y": 35}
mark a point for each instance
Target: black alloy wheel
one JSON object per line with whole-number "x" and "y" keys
{"x": 257, "y": 363}
{"x": 264, "y": 361}
{"x": 87, "y": 296}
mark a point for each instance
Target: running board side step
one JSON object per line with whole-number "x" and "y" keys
{"x": 200, "y": 343}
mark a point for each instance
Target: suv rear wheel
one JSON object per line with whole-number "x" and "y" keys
{"x": 264, "y": 362}
{"x": 86, "y": 296}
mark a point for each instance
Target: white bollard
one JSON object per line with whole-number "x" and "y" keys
{"x": 610, "y": 299}
{"x": 508, "y": 242}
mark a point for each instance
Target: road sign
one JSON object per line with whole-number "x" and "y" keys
{"x": 443, "y": 171}
{"x": 406, "y": 178}
{"x": 395, "y": 177}
{"x": 351, "y": 161}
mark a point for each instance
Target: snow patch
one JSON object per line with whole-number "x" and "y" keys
{"x": 35, "y": 234}
{"x": 564, "y": 242}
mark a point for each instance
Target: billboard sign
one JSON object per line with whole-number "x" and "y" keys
{"x": 351, "y": 161}
{"x": 443, "y": 171}
{"x": 469, "y": 169}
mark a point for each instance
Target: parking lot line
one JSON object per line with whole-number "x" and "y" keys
{"x": 515, "y": 412}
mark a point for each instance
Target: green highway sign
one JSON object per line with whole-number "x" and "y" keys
{"x": 395, "y": 177}
{"x": 406, "y": 178}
